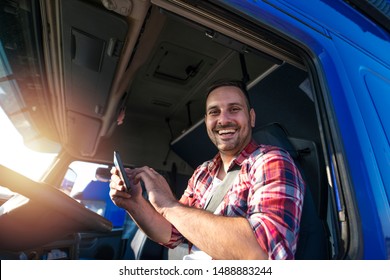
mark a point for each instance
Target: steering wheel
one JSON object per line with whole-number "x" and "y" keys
{"x": 40, "y": 214}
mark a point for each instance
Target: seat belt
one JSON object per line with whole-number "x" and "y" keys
{"x": 218, "y": 196}
{"x": 222, "y": 189}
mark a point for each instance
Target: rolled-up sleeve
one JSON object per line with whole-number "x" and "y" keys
{"x": 176, "y": 239}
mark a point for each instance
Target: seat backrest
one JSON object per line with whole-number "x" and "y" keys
{"x": 313, "y": 242}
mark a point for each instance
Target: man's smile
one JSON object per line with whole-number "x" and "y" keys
{"x": 226, "y": 131}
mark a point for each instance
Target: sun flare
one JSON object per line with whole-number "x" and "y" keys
{"x": 15, "y": 155}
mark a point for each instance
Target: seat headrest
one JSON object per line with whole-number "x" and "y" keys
{"x": 274, "y": 134}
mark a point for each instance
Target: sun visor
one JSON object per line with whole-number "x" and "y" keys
{"x": 92, "y": 42}
{"x": 93, "y": 38}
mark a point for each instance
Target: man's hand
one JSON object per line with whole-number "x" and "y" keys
{"x": 118, "y": 192}
{"x": 159, "y": 192}
{"x": 141, "y": 211}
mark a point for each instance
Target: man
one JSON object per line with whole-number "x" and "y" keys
{"x": 258, "y": 217}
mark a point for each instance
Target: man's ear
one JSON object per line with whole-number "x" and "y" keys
{"x": 252, "y": 116}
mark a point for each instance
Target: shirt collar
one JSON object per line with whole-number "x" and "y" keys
{"x": 245, "y": 153}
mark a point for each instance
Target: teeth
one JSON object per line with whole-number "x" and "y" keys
{"x": 226, "y": 131}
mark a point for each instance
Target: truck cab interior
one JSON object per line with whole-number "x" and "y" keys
{"x": 86, "y": 78}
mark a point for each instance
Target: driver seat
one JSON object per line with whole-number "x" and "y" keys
{"x": 313, "y": 242}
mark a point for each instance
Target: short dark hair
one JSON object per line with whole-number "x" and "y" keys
{"x": 232, "y": 83}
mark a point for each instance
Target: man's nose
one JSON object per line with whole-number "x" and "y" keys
{"x": 224, "y": 118}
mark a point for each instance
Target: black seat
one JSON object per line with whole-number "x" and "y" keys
{"x": 313, "y": 242}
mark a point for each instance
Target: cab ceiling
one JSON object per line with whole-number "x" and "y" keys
{"x": 166, "y": 73}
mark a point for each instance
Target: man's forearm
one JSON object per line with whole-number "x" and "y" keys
{"x": 154, "y": 225}
{"x": 220, "y": 237}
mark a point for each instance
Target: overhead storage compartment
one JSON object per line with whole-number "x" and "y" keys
{"x": 93, "y": 38}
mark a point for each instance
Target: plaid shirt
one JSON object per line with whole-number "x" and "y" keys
{"x": 268, "y": 191}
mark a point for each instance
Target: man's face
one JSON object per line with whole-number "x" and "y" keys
{"x": 228, "y": 120}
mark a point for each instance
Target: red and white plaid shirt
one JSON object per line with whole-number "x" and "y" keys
{"x": 268, "y": 192}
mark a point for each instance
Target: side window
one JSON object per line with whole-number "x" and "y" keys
{"x": 84, "y": 182}
{"x": 68, "y": 181}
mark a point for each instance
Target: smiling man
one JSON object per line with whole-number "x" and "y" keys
{"x": 257, "y": 218}
{"x": 229, "y": 120}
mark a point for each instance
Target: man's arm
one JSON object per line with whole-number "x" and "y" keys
{"x": 220, "y": 237}
{"x": 155, "y": 226}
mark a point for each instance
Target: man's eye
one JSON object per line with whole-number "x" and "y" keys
{"x": 213, "y": 112}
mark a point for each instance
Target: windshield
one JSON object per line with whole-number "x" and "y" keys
{"x": 23, "y": 107}
{"x": 15, "y": 155}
